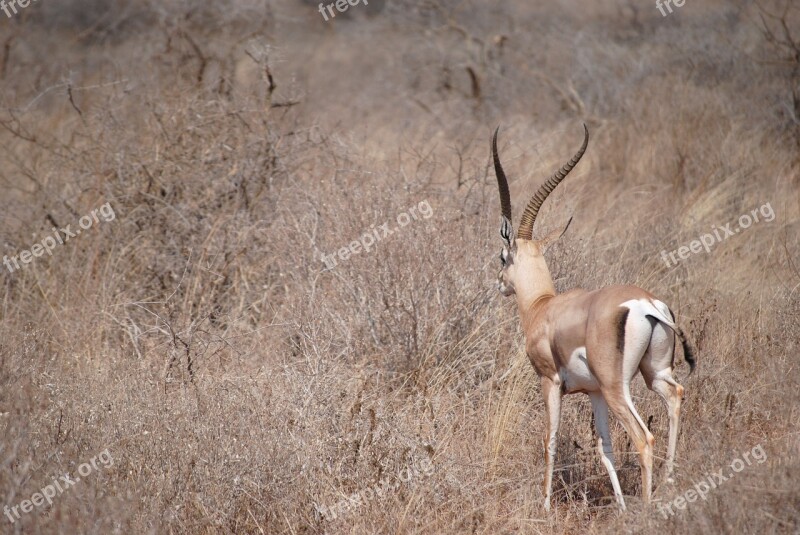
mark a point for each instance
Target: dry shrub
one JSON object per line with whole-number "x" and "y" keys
{"x": 242, "y": 385}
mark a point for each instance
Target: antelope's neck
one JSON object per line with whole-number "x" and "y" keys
{"x": 534, "y": 290}
{"x": 529, "y": 306}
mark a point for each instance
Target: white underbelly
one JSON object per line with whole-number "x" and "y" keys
{"x": 575, "y": 374}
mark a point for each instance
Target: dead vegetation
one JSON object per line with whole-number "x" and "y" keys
{"x": 237, "y": 383}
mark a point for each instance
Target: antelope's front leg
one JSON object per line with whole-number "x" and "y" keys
{"x": 551, "y": 390}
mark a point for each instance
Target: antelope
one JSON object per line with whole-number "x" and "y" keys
{"x": 594, "y": 342}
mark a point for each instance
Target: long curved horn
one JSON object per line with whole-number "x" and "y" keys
{"x": 502, "y": 183}
{"x": 525, "y": 231}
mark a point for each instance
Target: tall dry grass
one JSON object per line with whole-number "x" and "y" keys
{"x": 241, "y": 387}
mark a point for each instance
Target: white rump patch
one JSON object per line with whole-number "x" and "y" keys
{"x": 645, "y": 307}
{"x": 638, "y": 332}
{"x": 663, "y": 308}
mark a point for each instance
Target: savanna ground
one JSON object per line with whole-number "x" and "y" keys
{"x": 241, "y": 386}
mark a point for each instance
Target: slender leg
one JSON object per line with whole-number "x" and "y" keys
{"x": 656, "y": 368}
{"x": 644, "y": 440}
{"x": 646, "y": 451}
{"x": 604, "y": 446}
{"x": 552, "y": 402}
{"x": 639, "y": 332}
{"x": 672, "y": 394}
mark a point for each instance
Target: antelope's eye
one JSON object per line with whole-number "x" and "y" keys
{"x": 502, "y": 258}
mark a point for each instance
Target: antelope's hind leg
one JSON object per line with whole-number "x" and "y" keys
{"x": 640, "y": 435}
{"x": 636, "y": 331}
{"x": 656, "y": 368}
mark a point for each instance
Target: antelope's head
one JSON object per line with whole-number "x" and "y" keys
{"x": 522, "y": 262}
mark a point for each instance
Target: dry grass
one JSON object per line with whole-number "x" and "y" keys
{"x": 237, "y": 383}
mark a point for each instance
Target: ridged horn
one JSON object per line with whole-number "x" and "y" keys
{"x": 525, "y": 231}
{"x": 502, "y": 183}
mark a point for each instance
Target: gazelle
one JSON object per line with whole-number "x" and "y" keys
{"x": 589, "y": 341}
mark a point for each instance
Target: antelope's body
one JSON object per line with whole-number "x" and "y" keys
{"x": 594, "y": 342}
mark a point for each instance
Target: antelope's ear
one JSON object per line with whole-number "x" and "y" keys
{"x": 554, "y": 236}
{"x": 506, "y": 231}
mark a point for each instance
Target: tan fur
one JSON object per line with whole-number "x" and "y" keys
{"x": 556, "y": 329}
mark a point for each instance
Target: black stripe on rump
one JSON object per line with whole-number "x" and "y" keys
{"x": 621, "y": 320}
